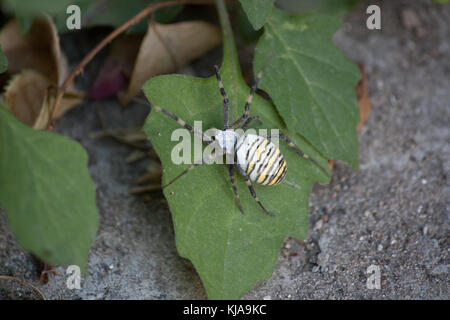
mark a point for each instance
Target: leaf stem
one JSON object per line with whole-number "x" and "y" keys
{"x": 134, "y": 20}
{"x": 229, "y": 49}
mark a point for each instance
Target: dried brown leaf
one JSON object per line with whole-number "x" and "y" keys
{"x": 37, "y": 67}
{"x": 29, "y": 96}
{"x": 26, "y": 89}
{"x": 136, "y": 155}
{"x": 38, "y": 49}
{"x": 362, "y": 93}
{"x": 168, "y": 47}
{"x": 147, "y": 188}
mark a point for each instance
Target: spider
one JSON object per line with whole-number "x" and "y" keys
{"x": 256, "y": 158}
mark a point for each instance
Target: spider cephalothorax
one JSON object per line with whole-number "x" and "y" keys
{"x": 257, "y": 159}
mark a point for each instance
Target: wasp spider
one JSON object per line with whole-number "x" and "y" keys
{"x": 256, "y": 158}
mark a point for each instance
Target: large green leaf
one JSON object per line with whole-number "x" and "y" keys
{"x": 230, "y": 251}
{"x": 257, "y": 11}
{"x": 3, "y": 61}
{"x": 311, "y": 82}
{"x": 46, "y": 192}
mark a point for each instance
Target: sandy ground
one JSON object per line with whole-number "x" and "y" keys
{"x": 392, "y": 213}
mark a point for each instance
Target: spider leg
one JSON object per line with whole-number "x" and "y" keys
{"x": 250, "y": 119}
{"x": 298, "y": 151}
{"x": 209, "y": 157}
{"x": 226, "y": 106}
{"x": 183, "y": 123}
{"x": 249, "y": 101}
{"x": 233, "y": 184}
{"x": 252, "y": 191}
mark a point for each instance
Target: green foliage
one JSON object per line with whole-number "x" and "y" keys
{"x": 230, "y": 251}
{"x": 117, "y": 12}
{"x": 3, "y": 61}
{"x": 311, "y": 82}
{"x": 331, "y": 7}
{"x": 257, "y": 11}
{"x": 26, "y": 11}
{"x": 441, "y": 1}
{"x": 46, "y": 192}
{"x": 245, "y": 28}
{"x": 93, "y": 12}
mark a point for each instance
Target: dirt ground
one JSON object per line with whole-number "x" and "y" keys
{"x": 392, "y": 213}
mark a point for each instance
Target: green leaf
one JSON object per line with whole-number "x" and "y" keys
{"x": 26, "y": 11}
{"x": 311, "y": 82}
{"x": 46, "y": 192}
{"x": 3, "y": 61}
{"x": 331, "y": 7}
{"x": 257, "y": 11}
{"x": 93, "y": 12}
{"x": 245, "y": 28}
{"x": 230, "y": 251}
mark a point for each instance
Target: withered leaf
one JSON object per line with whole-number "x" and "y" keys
{"x": 38, "y": 49}
{"x": 29, "y": 96}
{"x": 168, "y": 47}
{"x": 362, "y": 93}
{"x": 37, "y": 67}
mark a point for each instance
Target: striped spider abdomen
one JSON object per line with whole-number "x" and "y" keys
{"x": 260, "y": 160}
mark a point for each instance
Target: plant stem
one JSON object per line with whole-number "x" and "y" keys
{"x": 230, "y": 62}
{"x": 138, "y": 17}
{"x": 229, "y": 49}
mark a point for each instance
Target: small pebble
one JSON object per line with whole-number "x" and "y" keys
{"x": 380, "y": 84}
{"x": 319, "y": 225}
{"x": 424, "y": 181}
{"x": 267, "y": 298}
{"x": 440, "y": 269}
